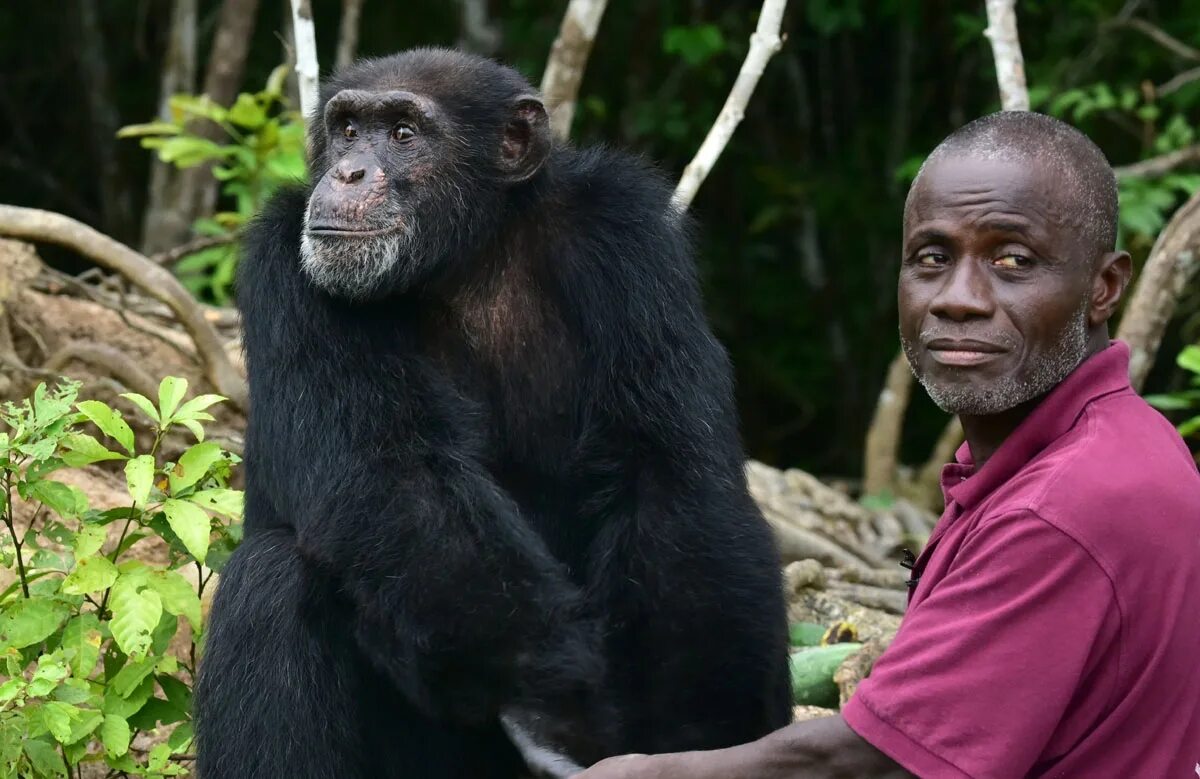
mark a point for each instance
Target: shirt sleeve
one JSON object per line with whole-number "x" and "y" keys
{"x": 984, "y": 668}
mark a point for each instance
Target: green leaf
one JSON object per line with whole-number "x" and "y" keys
{"x": 91, "y": 574}
{"x": 10, "y": 689}
{"x": 31, "y": 620}
{"x": 45, "y": 758}
{"x": 58, "y": 717}
{"x": 176, "y": 691}
{"x": 114, "y": 735}
{"x": 247, "y": 112}
{"x": 181, "y": 737}
{"x": 88, "y": 541}
{"x": 74, "y": 691}
{"x": 132, "y": 675}
{"x": 194, "y": 426}
{"x": 191, "y": 524}
{"x": 66, "y": 501}
{"x": 193, "y": 465}
{"x": 177, "y": 595}
{"x": 159, "y": 755}
{"x": 170, "y": 392}
{"x": 81, "y": 449}
{"x": 139, "y": 477}
{"x": 126, "y": 707}
{"x": 136, "y": 610}
{"x": 109, "y": 421}
{"x": 197, "y": 405}
{"x": 1189, "y": 359}
{"x": 143, "y": 403}
{"x": 225, "y": 502}
{"x": 82, "y": 635}
{"x": 83, "y": 726}
{"x": 164, "y": 631}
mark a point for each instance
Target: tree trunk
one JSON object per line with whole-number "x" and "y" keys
{"x": 1006, "y": 48}
{"x": 116, "y": 206}
{"x": 347, "y": 48}
{"x": 222, "y": 79}
{"x": 477, "y": 32}
{"x": 164, "y": 224}
{"x": 568, "y": 59}
{"x": 1173, "y": 262}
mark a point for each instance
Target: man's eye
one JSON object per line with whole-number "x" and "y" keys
{"x": 931, "y": 259}
{"x": 403, "y": 132}
{"x": 1012, "y": 262}
{"x": 350, "y": 131}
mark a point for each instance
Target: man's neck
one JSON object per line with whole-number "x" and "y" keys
{"x": 986, "y": 433}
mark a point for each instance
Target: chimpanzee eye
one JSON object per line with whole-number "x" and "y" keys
{"x": 403, "y": 132}
{"x": 350, "y": 131}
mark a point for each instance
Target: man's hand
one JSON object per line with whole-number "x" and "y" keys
{"x": 623, "y": 767}
{"x": 825, "y": 747}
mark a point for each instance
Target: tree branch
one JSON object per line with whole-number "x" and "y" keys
{"x": 764, "y": 42}
{"x": 1178, "y": 82}
{"x": 1006, "y": 49}
{"x": 1163, "y": 38}
{"x": 348, "y": 33}
{"x": 568, "y": 59}
{"x": 307, "y": 71}
{"x": 883, "y": 437}
{"x": 113, "y": 361}
{"x": 172, "y": 256}
{"x": 33, "y": 224}
{"x": 1173, "y": 262}
{"x": 1160, "y": 165}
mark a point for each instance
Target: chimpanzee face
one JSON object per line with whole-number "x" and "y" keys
{"x": 405, "y": 184}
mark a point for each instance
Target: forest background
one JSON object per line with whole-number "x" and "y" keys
{"x": 800, "y": 218}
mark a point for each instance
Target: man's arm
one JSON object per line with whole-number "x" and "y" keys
{"x": 817, "y": 749}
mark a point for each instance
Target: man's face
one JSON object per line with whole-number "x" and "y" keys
{"x": 994, "y": 289}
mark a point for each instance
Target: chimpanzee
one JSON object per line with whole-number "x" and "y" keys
{"x": 493, "y": 470}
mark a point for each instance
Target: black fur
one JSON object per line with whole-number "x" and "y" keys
{"x": 515, "y": 483}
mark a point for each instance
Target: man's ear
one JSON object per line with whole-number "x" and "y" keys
{"x": 526, "y": 141}
{"x": 1112, "y": 277}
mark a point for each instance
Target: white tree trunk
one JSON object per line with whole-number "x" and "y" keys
{"x": 763, "y": 44}
{"x": 568, "y": 60}
{"x": 307, "y": 71}
{"x": 1006, "y": 49}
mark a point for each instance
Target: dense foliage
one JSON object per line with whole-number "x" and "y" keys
{"x": 97, "y": 643}
{"x": 800, "y": 218}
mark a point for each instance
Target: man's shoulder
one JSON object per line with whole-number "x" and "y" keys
{"x": 1120, "y": 482}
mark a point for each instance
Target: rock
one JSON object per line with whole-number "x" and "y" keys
{"x": 858, "y": 666}
{"x": 805, "y": 713}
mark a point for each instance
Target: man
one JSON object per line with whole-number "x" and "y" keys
{"x": 1054, "y": 627}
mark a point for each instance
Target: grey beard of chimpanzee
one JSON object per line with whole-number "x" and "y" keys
{"x": 494, "y": 485}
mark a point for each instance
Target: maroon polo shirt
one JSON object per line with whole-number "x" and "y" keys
{"x": 1055, "y": 627}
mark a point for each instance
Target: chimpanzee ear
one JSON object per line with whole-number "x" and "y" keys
{"x": 526, "y": 142}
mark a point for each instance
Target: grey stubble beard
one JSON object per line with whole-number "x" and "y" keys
{"x": 1046, "y": 370}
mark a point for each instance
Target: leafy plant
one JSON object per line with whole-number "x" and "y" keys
{"x": 1184, "y": 400}
{"x": 86, "y": 628}
{"x": 265, "y": 149}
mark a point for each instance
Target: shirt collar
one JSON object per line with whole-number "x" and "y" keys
{"x": 1101, "y": 374}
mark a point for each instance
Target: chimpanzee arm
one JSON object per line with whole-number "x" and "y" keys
{"x": 696, "y": 544}
{"x": 372, "y": 459}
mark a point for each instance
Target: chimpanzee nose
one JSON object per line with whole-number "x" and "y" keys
{"x": 349, "y": 174}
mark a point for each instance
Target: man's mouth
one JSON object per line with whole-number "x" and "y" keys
{"x": 962, "y": 352}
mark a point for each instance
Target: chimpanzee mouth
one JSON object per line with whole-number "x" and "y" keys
{"x": 336, "y": 231}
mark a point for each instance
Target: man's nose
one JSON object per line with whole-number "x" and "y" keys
{"x": 965, "y": 294}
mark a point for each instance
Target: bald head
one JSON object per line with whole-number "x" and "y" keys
{"x": 1088, "y": 187}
